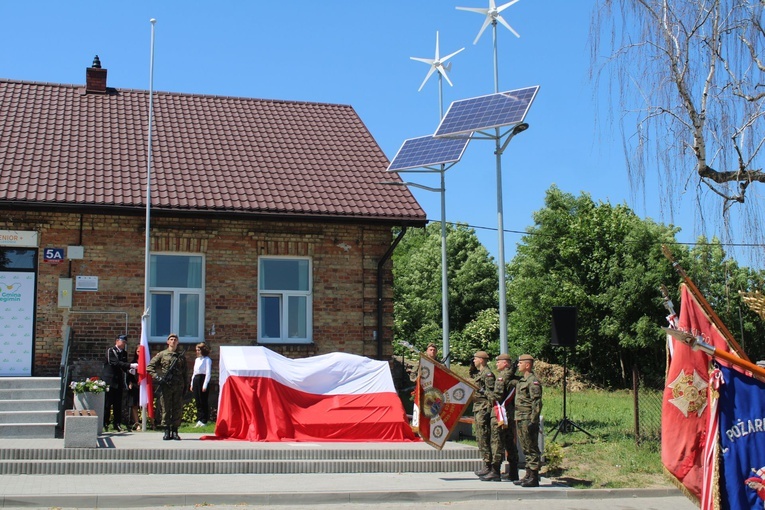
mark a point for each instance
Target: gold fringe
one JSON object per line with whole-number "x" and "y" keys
{"x": 677, "y": 483}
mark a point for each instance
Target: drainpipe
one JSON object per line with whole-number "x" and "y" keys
{"x": 380, "y": 265}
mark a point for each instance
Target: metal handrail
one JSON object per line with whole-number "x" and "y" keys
{"x": 64, "y": 373}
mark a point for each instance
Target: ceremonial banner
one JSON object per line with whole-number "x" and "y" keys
{"x": 146, "y": 386}
{"x": 742, "y": 441}
{"x": 440, "y": 398}
{"x": 333, "y": 397}
{"x": 684, "y": 409}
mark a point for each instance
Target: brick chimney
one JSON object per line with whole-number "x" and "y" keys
{"x": 95, "y": 78}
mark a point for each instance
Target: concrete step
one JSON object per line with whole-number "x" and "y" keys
{"x": 146, "y": 453}
{"x": 25, "y": 416}
{"x": 10, "y": 383}
{"x": 246, "y": 452}
{"x": 27, "y": 430}
{"x": 102, "y": 467}
{"x": 29, "y": 393}
{"x": 49, "y": 404}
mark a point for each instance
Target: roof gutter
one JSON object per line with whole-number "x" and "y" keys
{"x": 19, "y": 205}
{"x": 380, "y": 265}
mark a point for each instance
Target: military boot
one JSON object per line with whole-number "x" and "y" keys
{"x": 493, "y": 474}
{"x": 483, "y": 471}
{"x": 167, "y": 434}
{"x": 533, "y": 480}
{"x": 525, "y": 477}
{"x": 174, "y": 434}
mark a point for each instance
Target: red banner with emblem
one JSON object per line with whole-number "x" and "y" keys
{"x": 685, "y": 409}
{"x": 440, "y": 399}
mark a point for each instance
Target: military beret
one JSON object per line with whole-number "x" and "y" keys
{"x": 481, "y": 354}
{"x": 526, "y": 357}
{"x": 431, "y": 344}
{"x": 505, "y": 357}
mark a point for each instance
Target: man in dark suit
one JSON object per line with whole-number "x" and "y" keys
{"x": 115, "y": 371}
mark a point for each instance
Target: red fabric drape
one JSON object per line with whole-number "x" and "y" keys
{"x": 261, "y": 409}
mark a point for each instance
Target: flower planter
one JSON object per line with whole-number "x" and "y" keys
{"x": 93, "y": 401}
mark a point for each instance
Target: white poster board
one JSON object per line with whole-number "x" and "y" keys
{"x": 17, "y": 307}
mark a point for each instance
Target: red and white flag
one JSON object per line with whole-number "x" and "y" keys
{"x": 685, "y": 408}
{"x": 440, "y": 398}
{"x": 146, "y": 391}
{"x": 500, "y": 409}
{"x": 333, "y": 397}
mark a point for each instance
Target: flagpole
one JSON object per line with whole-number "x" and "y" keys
{"x": 705, "y": 305}
{"x": 147, "y": 230}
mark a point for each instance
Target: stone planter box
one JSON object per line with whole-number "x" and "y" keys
{"x": 94, "y": 402}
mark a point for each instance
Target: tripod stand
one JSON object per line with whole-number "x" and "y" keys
{"x": 565, "y": 425}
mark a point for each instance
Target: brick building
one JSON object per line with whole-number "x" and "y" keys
{"x": 268, "y": 224}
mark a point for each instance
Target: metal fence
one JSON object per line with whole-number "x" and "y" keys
{"x": 647, "y": 409}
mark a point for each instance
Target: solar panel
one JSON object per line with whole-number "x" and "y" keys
{"x": 428, "y": 151}
{"x": 485, "y": 112}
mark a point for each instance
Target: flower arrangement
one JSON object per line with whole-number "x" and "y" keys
{"x": 92, "y": 385}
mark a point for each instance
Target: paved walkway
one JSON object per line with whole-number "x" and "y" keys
{"x": 350, "y": 490}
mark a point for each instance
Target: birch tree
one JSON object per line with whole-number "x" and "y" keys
{"x": 688, "y": 76}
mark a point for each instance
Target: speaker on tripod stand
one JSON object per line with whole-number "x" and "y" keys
{"x": 564, "y": 329}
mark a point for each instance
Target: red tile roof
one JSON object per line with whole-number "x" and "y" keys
{"x": 60, "y": 146}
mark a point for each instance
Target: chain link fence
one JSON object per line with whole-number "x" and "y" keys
{"x": 647, "y": 409}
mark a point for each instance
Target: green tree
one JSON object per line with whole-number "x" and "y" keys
{"x": 721, "y": 281}
{"x": 607, "y": 262}
{"x": 472, "y": 278}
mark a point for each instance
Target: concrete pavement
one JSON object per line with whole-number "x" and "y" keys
{"x": 353, "y": 490}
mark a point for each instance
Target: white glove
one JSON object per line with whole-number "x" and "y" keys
{"x": 132, "y": 371}
{"x": 133, "y": 366}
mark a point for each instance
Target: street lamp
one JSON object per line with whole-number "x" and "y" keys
{"x": 501, "y": 233}
{"x": 444, "y": 277}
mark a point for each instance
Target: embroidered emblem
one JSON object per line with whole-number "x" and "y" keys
{"x": 689, "y": 393}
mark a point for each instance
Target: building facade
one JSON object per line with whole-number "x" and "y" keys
{"x": 268, "y": 225}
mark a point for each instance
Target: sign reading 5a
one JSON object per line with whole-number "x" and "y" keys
{"x": 53, "y": 255}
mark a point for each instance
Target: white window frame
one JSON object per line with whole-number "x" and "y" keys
{"x": 284, "y": 296}
{"x": 175, "y": 299}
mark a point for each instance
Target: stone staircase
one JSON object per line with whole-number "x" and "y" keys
{"x": 29, "y": 407}
{"x": 28, "y": 445}
{"x": 238, "y": 458}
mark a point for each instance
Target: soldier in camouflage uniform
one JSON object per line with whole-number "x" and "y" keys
{"x": 432, "y": 352}
{"x": 504, "y": 393}
{"x": 528, "y": 407}
{"x": 168, "y": 371}
{"x": 482, "y": 411}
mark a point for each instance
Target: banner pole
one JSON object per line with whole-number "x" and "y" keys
{"x": 705, "y": 305}
{"x": 697, "y": 344}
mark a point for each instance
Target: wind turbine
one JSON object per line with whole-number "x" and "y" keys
{"x": 492, "y": 16}
{"x": 437, "y": 64}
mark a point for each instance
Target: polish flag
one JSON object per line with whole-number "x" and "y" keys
{"x": 146, "y": 392}
{"x": 265, "y": 396}
{"x": 440, "y": 398}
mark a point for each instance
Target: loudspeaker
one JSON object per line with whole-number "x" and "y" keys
{"x": 563, "y": 326}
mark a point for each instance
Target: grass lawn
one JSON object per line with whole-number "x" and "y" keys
{"x": 611, "y": 458}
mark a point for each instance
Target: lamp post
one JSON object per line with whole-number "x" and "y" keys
{"x": 501, "y": 236}
{"x": 444, "y": 277}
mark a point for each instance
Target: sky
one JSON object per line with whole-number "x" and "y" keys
{"x": 358, "y": 54}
